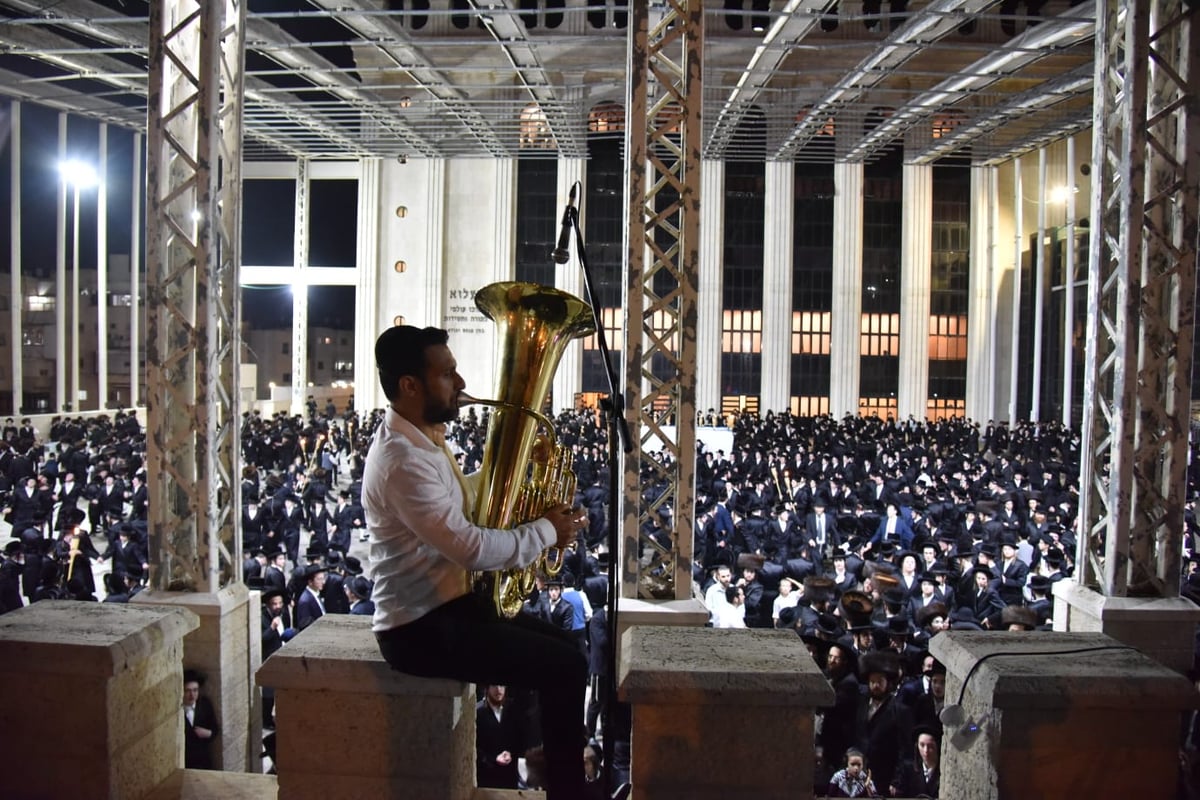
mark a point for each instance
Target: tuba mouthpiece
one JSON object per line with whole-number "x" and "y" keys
{"x": 465, "y": 400}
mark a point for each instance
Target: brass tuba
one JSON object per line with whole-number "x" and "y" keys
{"x": 524, "y": 472}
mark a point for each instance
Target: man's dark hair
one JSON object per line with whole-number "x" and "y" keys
{"x": 400, "y": 351}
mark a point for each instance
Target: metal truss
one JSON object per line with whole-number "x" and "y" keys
{"x": 1142, "y": 286}
{"x": 192, "y": 314}
{"x": 663, "y": 137}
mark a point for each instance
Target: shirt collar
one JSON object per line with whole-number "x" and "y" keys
{"x": 402, "y": 426}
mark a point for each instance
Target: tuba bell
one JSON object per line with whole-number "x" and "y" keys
{"x": 525, "y": 470}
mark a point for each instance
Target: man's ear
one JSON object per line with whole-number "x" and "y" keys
{"x": 407, "y": 385}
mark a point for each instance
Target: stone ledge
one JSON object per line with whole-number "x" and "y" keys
{"x": 196, "y": 784}
{"x": 339, "y": 650}
{"x": 66, "y": 637}
{"x": 752, "y": 667}
{"x": 1138, "y": 609}
{"x": 206, "y": 604}
{"x": 1032, "y": 672}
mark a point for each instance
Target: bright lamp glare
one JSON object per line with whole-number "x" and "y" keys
{"x": 79, "y": 174}
{"x": 1059, "y": 194}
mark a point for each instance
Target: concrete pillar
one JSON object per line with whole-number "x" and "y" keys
{"x": 846, "y": 321}
{"x": 708, "y": 295}
{"x": 981, "y": 303}
{"x": 393, "y": 735}
{"x": 220, "y": 647}
{"x": 691, "y": 722}
{"x": 916, "y": 253}
{"x": 776, "y": 388}
{"x": 90, "y": 698}
{"x": 1161, "y": 627}
{"x": 372, "y": 269}
{"x": 568, "y": 380}
{"x": 1055, "y": 715}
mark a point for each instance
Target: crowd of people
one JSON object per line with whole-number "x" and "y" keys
{"x": 866, "y": 536}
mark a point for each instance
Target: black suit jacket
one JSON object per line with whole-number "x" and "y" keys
{"x": 197, "y": 752}
{"x": 493, "y": 737}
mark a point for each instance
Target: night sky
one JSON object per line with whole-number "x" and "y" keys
{"x": 268, "y": 208}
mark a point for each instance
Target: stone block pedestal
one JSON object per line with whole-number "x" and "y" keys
{"x": 221, "y": 648}
{"x": 1054, "y": 716}
{"x": 90, "y": 698}
{"x": 348, "y": 725}
{"x": 720, "y": 713}
{"x": 1162, "y": 628}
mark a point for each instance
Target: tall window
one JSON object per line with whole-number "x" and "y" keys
{"x": 948, "y": 295}
{"x": 605, "y": 225}
{"x": 537, "y": 224}
{"x": 880, "y": 354}
{"x": 812, "y": 287}
{"x": 741, "y": 365}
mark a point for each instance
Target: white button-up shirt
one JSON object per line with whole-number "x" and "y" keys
{"x": 422, "y": 544}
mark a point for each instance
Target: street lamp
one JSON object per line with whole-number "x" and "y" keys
{"x": 78, "y": 175}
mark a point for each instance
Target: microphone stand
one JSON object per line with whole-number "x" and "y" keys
{"x": 618, "y": 435}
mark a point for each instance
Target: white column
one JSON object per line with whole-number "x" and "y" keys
{"x": 916, "y": 254}
{"x": 981, "y": 305}
{"x": 776, "y": 388}
{"x": 1039, "y": 289}
{"x": 568, "y": 380}
{"x": 102, "y": 273}
{"x": 435, "y": 244}
{"x": 708, "y": 294}
{"x": 135, "y": 290}
{"x": 504, "y": 263}
{"x": 17, "y": 303}
{"x": 1068, "y": 335}
{"x": 367, "y": 393}
{"x": 845, "y": 366}
{"x": 60, "y": 280}
{"x": 1014, "y": 354}
{"x": 300, "y": 291}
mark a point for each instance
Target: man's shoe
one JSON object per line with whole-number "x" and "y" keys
{"x": 621, "y": 792}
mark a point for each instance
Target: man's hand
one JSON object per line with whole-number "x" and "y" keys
{"x": 504, "y": 758}
{"x": 203, "y": 733}
{"x": 567, "y": 521}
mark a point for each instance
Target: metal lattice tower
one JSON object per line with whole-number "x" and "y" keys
{"x": 193, "y": 223}
{"x": 1142, "y": 287}
{"x": 663, "y": 137}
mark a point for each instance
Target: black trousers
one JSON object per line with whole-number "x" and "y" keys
{"x": 466, "y": 640}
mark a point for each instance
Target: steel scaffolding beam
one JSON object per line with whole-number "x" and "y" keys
{"x": 193, "y": 227}
{"x": 663, "y": 139}
{"x": 1142, "y": 286}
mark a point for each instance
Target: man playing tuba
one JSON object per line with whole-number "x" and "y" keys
{"x": 424, "y": 547}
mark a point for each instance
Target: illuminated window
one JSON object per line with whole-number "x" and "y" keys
{"x": 810, "y": 406}
{"x": 945, "y": 408}
{"x": 613, "y": 330}
{"x": 32, "y": 337}
{"x": 945, "y": 123}
{"x": 880, "y": 407}
{"x": 535, "y": 129}
{"x": 734, "y": 404}
{"x": 606, "y": 118}
{"x": 810, "y": 333}
{"x": 827, "y": 129}
{"x": 40, "y": 302}
{"x": 880, "y": 335}
{"x": 947, "y": 338}
{"x": 741, "y": 331}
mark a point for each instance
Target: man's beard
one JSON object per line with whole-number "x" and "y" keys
{"x": 436, "y": 412}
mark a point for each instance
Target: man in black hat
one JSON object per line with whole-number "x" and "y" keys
{"x": 427, "y": 620}
{"x": 985, "y": 603}
{"x": 838, "y": 725}
{"x": 200, "y": 723}
{"x": 309, "y": 605}
{"x": 1013, "y": 572}
{"x": 358, "y": 593}
{"x": 1041, "y": 606}
{"x": 11, "y": 566}
{"x": 884, "y": 724}
{"x": 273, "y": 576}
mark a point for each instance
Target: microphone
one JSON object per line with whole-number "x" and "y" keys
{"x": 562, "y": 254}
